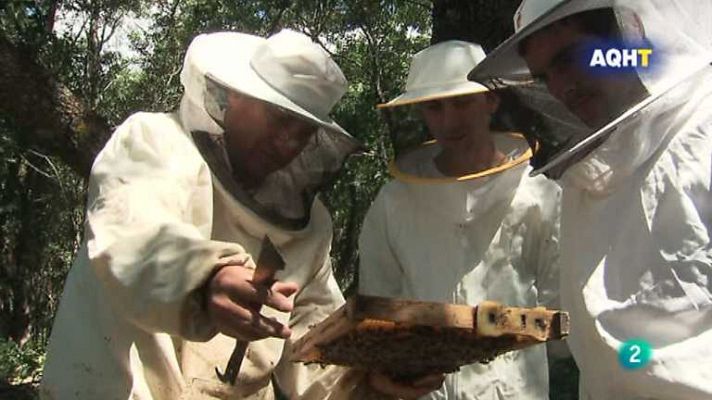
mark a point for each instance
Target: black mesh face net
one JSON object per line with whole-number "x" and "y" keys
{"x": 286, "y": 195}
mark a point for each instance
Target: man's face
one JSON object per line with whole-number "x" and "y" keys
{"x": 454, "y": 121}
{"x": 262, "y": 138}
{"x": 553, "y": 56}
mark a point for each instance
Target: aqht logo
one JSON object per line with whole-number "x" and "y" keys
{"x": 617, "y": 57}
{"x": 620, "y": 58}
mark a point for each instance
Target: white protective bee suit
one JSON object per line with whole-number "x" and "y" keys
{"x": 487, "y": 236}
{"x": 161, "y": 217}
{"x": 636, "y": 257}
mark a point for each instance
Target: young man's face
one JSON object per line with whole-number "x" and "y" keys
{"x": 553, "y": 57}
{"x": 262, "y": 138}
{"x": 454, "y": 121}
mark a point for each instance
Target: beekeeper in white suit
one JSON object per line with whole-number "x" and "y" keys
{"x": 462, "y": 222}
{"x": 632, "y": 151}
{"x": 178, "y": 207}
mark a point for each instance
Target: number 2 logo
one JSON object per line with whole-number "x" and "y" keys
{"x": 635, "y": 354}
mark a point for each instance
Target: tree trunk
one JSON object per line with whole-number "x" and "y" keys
{"x": 51, "y": 119}
{"x": 486, "y": 22}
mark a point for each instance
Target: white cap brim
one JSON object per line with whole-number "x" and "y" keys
{"x": 435, "y": 93}
{"x": 504, "y": 62}
{"x": 233, "y": 71}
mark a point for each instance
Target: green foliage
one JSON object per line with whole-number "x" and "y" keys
{"x": 25, "y": 21}
{"x": 20, "y": 363}
{"x": 41, "y": 215}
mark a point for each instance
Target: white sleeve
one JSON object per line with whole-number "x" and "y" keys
{"x": 380, "y": 273}
{"x": 674, "y": 310}
{"x": 314, "y": 302}
{"x": 672, "y": 305}
{"x": 148, "y": 224}
{"x": 547, "y": 279}
{"x": 547, "y": 261}
{"x": 548, "y": 276}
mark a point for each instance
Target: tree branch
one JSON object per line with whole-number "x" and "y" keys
{"x": 51, "y": 16}
{"x": 284, "y": 6}
{"x": 426, "y": 6}
{"x": 376, "y": 76}
{"x": 53, "y": 121}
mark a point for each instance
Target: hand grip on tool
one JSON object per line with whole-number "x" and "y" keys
{"x": 268, "y": 263}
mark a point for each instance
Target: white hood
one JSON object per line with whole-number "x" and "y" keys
{"x": 285, "y": 197}
{"x": 681, "y": 36}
